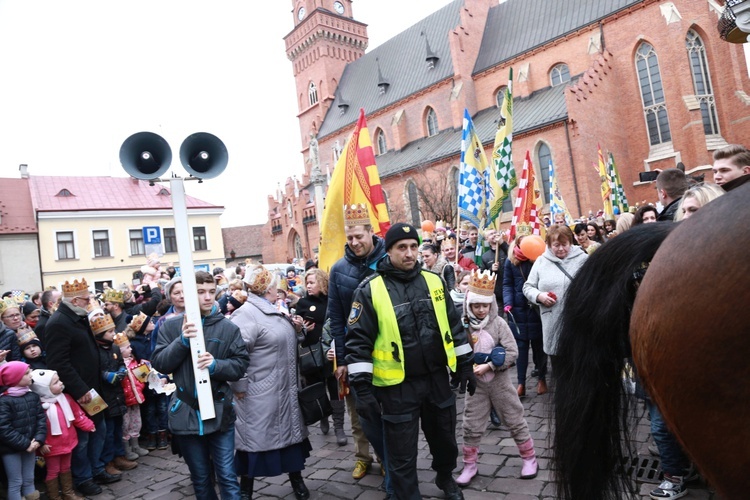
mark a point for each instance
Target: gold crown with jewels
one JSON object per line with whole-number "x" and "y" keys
{"x": 75, "y": 289}
{"x": 112, "y": 295}
{"x": 356, "y": 215}
{"x": 482, "y": 282}
{"x": 101, "y": 324}
{"x": 121, "y": 340}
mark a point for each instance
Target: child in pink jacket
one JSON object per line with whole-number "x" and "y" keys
{"x": 63, "y": 416}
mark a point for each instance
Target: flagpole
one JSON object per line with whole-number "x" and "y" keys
{"x": 458, "y": 230}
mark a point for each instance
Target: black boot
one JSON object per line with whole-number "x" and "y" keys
{"x": 246, "y": 488}
{"x": 298, "y": 485}
{"x": 494, "y": 418}
{"x": 445, "y": 482}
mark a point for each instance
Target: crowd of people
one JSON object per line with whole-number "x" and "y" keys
{"x": 92, "y": 381}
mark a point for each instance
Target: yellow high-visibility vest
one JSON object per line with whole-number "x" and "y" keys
{"x": 388, "y": 351}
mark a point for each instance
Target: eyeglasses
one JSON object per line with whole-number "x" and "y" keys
{"x": 12, "y": 316}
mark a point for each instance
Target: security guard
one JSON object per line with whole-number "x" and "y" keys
{"x": 402, "y": 338}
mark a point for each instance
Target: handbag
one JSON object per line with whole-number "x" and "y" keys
{"x": 311, "y": 359}
{"x": 314, "y": 403}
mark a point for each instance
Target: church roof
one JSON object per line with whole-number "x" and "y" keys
{"x": 541, "y": 108}
{"x": 400, "y": 63}
{"x": 517, "y": 26}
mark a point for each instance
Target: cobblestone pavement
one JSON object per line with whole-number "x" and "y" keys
{"x": 162, "y": 475}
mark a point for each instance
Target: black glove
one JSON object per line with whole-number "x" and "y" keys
{"x": 467, "y": 378}
{"x": 364, "y": 401}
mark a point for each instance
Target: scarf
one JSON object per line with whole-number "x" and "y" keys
{"x": 48, "y": 403}
{"x": 474, "y": 322}
{"x": 519, "y": 254}
{"x": 16, "y": 391}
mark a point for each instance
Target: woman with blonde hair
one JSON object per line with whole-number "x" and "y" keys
{"x": 695, "y": 197}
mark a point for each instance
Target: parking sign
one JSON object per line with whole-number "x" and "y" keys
{"x": 152, "y": 240}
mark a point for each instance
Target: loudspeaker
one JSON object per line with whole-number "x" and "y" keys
{"x": 145, "y": 156}
{"x": 204, "y": 155}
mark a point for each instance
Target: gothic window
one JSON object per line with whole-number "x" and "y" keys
{"x": 431, "y": 122}
{"x": 544, "y": 156}
{"x": 500, "y": 95}
{"x": 652, "y": 94}
{"x": 312, "y": 94}
{"x": 559, "y": 74}
{"x": 414, "y": 204}
{"x": 702, "y": 82}
{"x": 380, "y": 141}
{"x": 299, "y": 251}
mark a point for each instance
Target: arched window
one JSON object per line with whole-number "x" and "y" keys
{"x": 500, "y": 95}
{"x": 544, "y": 156}
{"x": 299, "y": 252}
{"x": 652, "y": 94}
{"x": 414, "y": 204}
{"x": 312, "y": 94}
{"x": 380, "y": 141}
{"x": 702, "y": 82}
{"x": 559, "y": 74}
{"x": 431, "y": 123}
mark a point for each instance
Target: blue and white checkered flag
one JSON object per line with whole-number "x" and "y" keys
{"x": 472, "y": 182}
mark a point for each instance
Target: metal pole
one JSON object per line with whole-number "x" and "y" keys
{"x": 190, "y": 289}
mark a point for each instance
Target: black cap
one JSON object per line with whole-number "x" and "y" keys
{"x": 400, "y": 231}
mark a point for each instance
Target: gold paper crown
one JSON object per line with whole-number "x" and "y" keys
{"x": 440, "y": 224}
{"x": 24, "y": 335}
{"x": 137, "y": 322}
{"x": 482, "y": 282}
{"x": 75, "y": 289}
{"x": 356, "y": 215}
{"x": 466, "y": 225}
{"x": 112, "y": 295}
{"x": 120, "y": 340}
{"x": 101, "y": 324}
{"x": 8, "y": 303}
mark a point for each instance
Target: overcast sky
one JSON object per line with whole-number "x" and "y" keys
{"x": 77, "y": 77}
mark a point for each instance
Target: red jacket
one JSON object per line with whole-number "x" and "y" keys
{"x": 133, "y": 387}
{"x": 65, "y": 442}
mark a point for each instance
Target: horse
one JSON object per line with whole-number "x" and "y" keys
{"x": 674, "y": 296}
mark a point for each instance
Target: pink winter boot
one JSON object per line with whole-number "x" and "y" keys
{"x": 470, "y": 465}
{"x": 530, "y": 466}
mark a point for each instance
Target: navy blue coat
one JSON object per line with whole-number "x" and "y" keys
{"x": 22, "y": 419}
{"x": 345, "y": 276}
{"x": 527, "y": 318}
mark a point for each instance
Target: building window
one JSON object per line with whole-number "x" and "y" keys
{"x": 380, "y": 141}
{"x": 652, "y": 94}
{"x": 170, "y": 240}
{"x": 431, "y": 122}
{"x": 702, "y": 82}
{"x": 414, "y": 204}
{"x": 101, "y": 243}
{"x": 559, "y": 74}
{"x": 500, "y": 95}
{"x": 65, "y": 245}
{"x": 136, "y": 242}
{"x": 545, "y": 157}
{"x": 299, "y": 252}
{"x": 199, "y": 238}
{"x": 312, "y": 94}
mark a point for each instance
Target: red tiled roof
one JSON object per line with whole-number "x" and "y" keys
{"x": 16, "y": 210}
{"x": 102, "y": 193}
{"x": 246, "y": 241}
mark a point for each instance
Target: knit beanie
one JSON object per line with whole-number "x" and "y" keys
{"x": 12, "y": 372}
{"x": 170, "y": 284}
{"x": 28, "y": 308}
{"x": 398, "y": 232}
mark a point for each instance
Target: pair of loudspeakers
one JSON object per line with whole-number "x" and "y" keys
{"x": 147, "y": 156}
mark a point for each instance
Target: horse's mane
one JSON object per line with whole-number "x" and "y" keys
{"x": 591, "y": 407}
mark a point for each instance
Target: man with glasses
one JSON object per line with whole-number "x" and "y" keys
{"x": 72, "y": 352}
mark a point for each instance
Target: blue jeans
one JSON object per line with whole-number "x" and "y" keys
{"x": 85, "y": 461}
{"x": 156, "y": 415}
{"x": 112, "y": 442}
{"x": 19, "y": 467}
{"x": 373, "y": 429}
{"x": 673, "y": 459}
{"x": 199, "y": 452}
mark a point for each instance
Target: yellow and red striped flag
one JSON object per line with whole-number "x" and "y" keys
{"x": 606, "y": 188}
{"x": 355, "y": 179}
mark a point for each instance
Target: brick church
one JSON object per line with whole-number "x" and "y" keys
{"x": 650, "y": 81}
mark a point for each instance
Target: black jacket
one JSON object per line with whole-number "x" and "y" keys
{"x": 417, "y": 323}
{"x": 22, "y": 419}
{"x": 8, "y": 342}
{"x": 72, "y": 351}
{"x": 488, "y": 258}
{"x": 346, "y": 274}
{"x": 41, "y": 326}
{"x": 313, "y": 308}
{"x": 528, "y": 324}
{"x": 110, "y": 359}
{"x": 669, "y": 211}
{"x": 148, "y": 306}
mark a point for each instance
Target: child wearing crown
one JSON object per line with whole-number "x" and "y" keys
{"x": 495, "y": 351}
{"x": 63, "y": 417}
{"x": 31, "y": 348}
{"x": 132, "y": 386}
{"x": 113, "y": 369}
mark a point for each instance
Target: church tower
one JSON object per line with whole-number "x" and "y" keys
{"x": 324, "y": 39}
